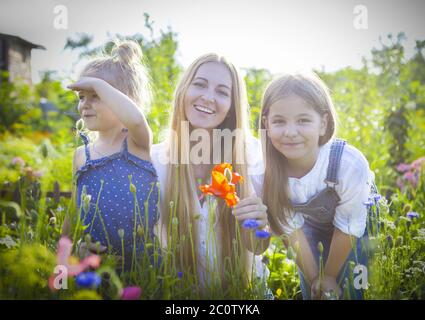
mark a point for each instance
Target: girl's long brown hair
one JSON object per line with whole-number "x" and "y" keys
{"x": 313, "y": 91}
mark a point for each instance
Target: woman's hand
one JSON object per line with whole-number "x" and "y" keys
{"x": 251, "y": 208}
{"x": 325, "y": 288}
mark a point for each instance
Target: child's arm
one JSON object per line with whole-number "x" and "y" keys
{"x": 122, "y": 106}
{"x": 252, "y": 208}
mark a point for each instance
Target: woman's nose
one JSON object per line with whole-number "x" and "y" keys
{"x": 208, "y": 96}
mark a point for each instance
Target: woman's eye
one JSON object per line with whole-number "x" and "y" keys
{"x": 304, "y": 120}
{"x": 223, "y": 93}
{"x": 81, "y": 98}
{"x": 199, "y": 84}
{"x": 277, "y": 121}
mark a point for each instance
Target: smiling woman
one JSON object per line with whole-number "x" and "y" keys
{"x": 210, "y": 95}
{"x": 208, "y": 98}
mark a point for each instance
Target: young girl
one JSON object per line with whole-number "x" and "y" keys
{"x": 114, "y": 169}
{"x": 314, "y": 186}
{"x": 210, "y": 95}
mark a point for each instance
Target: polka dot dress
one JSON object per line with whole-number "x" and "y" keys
{"x": 107, "y": 181}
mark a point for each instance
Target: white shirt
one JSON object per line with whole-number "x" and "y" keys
{"x": 207, "y": 245}
{"x": 354, "y": 181}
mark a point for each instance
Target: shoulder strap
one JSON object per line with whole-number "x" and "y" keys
{"x": 86, "y": 141}
{"x": 335, "y": 154}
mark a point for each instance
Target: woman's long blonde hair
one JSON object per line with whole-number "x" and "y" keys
{"x": 315, "y": 93}
{"x": 181, "y": 187}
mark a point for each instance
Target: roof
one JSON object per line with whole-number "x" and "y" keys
{"x": 25, "y": 42}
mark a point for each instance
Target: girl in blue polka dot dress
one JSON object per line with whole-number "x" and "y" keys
{"x": 117, "y": 188}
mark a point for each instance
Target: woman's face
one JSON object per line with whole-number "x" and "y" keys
{"x": 209, "y": 96}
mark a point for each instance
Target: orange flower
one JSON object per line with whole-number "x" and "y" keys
{"x": 223, "y": 184}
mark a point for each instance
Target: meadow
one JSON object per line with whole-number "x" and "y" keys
{"x": 381, "y": 109}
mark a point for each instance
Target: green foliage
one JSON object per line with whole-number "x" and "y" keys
{"x": 381, "y": 109}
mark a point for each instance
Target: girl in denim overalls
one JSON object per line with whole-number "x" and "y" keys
{"x": 116, "y": 182}
{"x": 315, "y": 187}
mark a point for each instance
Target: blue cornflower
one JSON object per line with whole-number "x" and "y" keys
{"x": 250, "y": 224}
{"x": 262, "y": 234}
{"x": 377, "y": 197}
{"x": 88, "y": 280}
{"x": 412, "y": 215}
{"x": 180, "y": 274}
{"x": 368, "y": 203}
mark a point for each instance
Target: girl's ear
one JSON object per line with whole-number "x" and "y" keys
{"x": 324, "y": 124}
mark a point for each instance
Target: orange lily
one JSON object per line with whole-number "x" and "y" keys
{"x": 223, "y": 184}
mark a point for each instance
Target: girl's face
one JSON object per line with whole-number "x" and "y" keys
{"x": 96, "y": 115}
{"x": 294, "y": 128}
{"x": 209, "y": 96}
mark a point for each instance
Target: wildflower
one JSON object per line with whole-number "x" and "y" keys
{"x": 74, "y": 267}
{"x": 377, "y": 197}
{"x": 390, "y": 240}
{"x": 278, "y": 292}
{"x": 409, "y": 176}
{"x": 368, "y": 203}
{"x": 250, "y": 224}
{"x": 175, "y": 221}
{"x": 262, "y": 234}
{"x": 418, "y": 163}
{"x": 52, "y": 221}
{"x": 223, "y": 184}
{"x": 132, "y": 188}
{"x": 38, "y": 174}
{"x": 44, "y": 150}
{"x": 18, "y": 161}
{"x": 180, "y": 274}
{"x": 140, "y": 231}
{"x": 403, "y": 167}
{"x": 412, "y": 215}
{"x": 131, "y": 293}
{"x": 86, "y": 202}
{"x": 88, "y": 280}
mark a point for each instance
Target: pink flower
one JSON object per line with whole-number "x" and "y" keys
{"x": 418, "y": 163}
{"x": 71, "y": 263}
{"x": 38, "y": 174}
{"x": 402, "y": 167}
{"x": 18, "y": 161}
{"x": 410, "y": 176}
{"x": 131, "y": 293}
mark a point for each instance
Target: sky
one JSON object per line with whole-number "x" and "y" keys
{"x": 279, "y": 35}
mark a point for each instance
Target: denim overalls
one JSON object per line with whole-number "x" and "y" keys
{"x": 318, "y": 215}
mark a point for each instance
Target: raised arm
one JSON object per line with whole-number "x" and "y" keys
{"x": 122, "y": 106}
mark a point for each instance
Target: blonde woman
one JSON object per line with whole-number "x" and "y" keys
{"x": 209, "y": 99}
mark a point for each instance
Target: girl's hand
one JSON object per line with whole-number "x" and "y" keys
{"x": 85, "y": 83}
{"x": 251, "y": 208}
{"x": 326, "y": 289}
